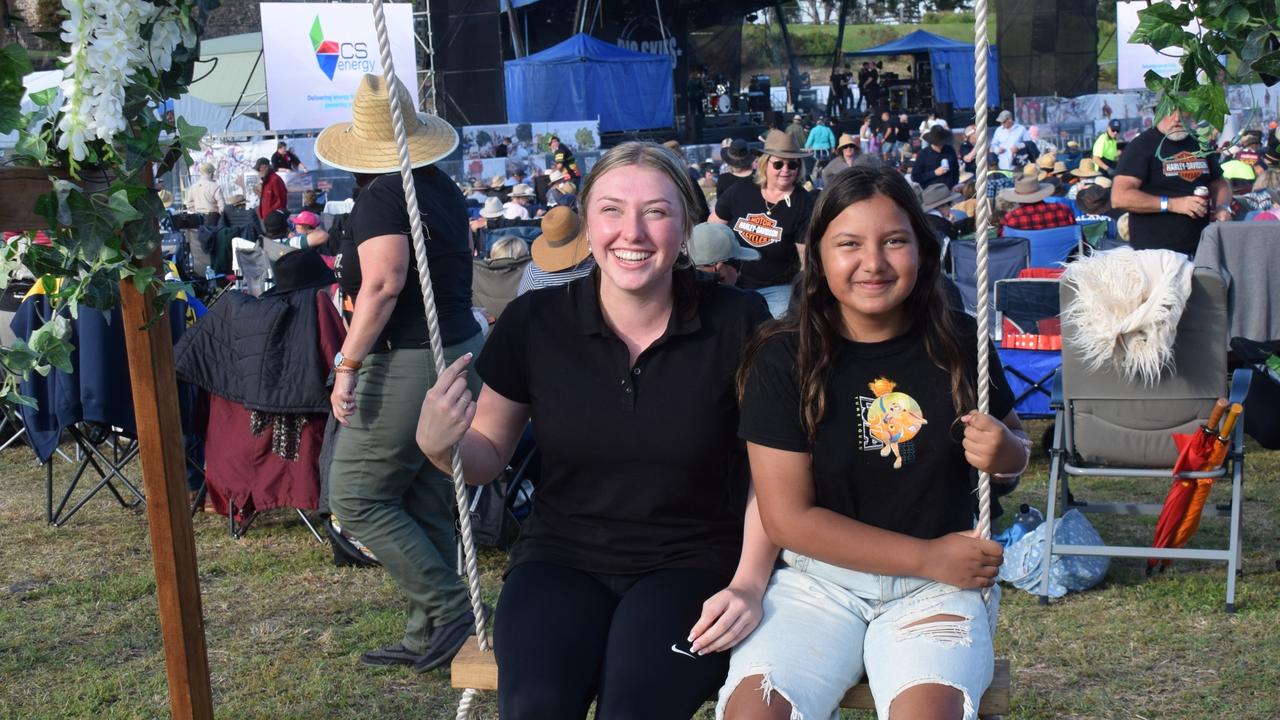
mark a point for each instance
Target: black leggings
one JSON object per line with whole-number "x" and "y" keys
{"x": 564, "y": 636}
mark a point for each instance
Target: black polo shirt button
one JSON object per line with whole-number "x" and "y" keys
{"x": 635, "y": 371}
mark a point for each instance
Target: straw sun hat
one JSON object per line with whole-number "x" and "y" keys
{"x": 367, "y": 144}
{"x": 560, "y": 246}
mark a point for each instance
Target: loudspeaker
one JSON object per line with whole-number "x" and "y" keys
{"x": 1047, "y": 47}
{"x": 469, "y": 83}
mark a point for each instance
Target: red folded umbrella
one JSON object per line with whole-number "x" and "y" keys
{"x": 1194, "y": 450}
{"x": 1190, "y": 521}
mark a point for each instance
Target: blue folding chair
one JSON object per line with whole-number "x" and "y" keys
{"x": 1006, "y": 256}
{"x": 526, "y": 233}
{"x": 1052, "y": 247}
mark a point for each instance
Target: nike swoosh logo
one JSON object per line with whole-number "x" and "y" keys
{"x": 686, "y": 653}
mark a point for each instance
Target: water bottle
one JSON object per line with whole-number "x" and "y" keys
{"x": 209, "y": 274}
{"x": 1028, "y": 517}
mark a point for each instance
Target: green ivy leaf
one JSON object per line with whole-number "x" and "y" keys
{"x": 100, "y": 291}
{"x": 189, "y": 135}
{"x": 18, "y": 358}
{"x": 1268, "y": 64}
{"x": 1237, "y": 16}
{"x": 14, "y": 65}
{"x": 45, "y": 261}
{"x": 121, "y": 210}
{"x": 1179, "y": 15}
{"x": 142, "y": 278}
{"x": 14, "y": 397}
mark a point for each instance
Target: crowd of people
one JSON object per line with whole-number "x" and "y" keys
{"x": 720, "y": 365}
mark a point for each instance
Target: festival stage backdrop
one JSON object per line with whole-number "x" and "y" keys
{"x": 316, "y": 53}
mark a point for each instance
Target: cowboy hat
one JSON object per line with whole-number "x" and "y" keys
{"x": 736, "y": 154}
{"x": 1026, "y": 190}
{"x": 1086, "y": 169}
{"x": 492, "y": 208}
{"x": 1059, "y": 168}
{"x": 521, "y": 190}
{"x": 1030, "y": 170}
{"x": 710, "y": 243}
{"x": 497, "y": 182}
{"x": 235, "y": 199}
{"x": 845, "y": 141}
{"x": 1045, "y": 161}
{"x": 560, "y": 246}
{"x": 937, "y": 136}
{"x": 1102, "y": 181}
{"x": 367, "y": 144}
{"x": 555, "y": 176}
{"x": 937, "y": 195}
{"x": 1004, "y": 115}
{"x": 781, "y": 145}
{"x": 965, "y": 176}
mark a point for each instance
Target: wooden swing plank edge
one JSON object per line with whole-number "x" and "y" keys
{"x": 475, "y": 668}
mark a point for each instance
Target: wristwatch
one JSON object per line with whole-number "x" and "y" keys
{"x": 341, "y": 361}
{"x": 1164, "y": 203}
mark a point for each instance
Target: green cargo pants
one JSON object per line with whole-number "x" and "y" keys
{"x": 383, "y": 489}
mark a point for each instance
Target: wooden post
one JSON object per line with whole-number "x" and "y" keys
{"x": 173, "y": 548}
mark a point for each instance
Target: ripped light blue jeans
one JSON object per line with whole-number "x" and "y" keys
{"x": 824, "y": 626}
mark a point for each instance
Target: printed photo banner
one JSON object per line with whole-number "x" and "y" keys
{"x": 529, "y": 146}
{"x": 315, "y": 54}
{"x": 233, "y": 165}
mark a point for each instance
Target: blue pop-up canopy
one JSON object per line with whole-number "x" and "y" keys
{"x": 585, "y": 78}
{"x": 951, "y": 62}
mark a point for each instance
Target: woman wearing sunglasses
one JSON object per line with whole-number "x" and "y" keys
{"x": 770, "y": 216}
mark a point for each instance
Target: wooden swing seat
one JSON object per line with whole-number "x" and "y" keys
{"x": 475, "y": 668}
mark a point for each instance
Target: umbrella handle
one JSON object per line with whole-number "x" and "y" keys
{"x": 1215, "y": 416}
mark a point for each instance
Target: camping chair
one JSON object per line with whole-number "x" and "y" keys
{"x": 1007, "y": 256}
{"x": 1109, "y": 427}
{"x": 525, "y": 232}
{"x": 1052, "y": 247}
{"x": 1029, "y": 305}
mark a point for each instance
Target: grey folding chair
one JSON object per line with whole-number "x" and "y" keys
{"x": 1109, "y": 427}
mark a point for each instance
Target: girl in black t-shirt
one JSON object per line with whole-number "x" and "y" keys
{"x": 633, "y": 571}
{"x": 857, "y": 415}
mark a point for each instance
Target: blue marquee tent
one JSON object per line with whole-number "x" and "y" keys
{"x": 952, "y": 64}
{"x": 584, "y": 78}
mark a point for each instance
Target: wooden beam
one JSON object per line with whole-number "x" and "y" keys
{"x": 173, "y": 548}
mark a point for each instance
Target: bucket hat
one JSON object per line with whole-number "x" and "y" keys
{"x": 710, "y": 243}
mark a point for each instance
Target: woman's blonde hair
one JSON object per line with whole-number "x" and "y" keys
{"x": 510, "y": 247}
{"x": 652, "y": 156}
{"x": 308, "y": 197}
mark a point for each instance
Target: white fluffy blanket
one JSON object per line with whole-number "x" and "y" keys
{"x": 1126, "y": 310}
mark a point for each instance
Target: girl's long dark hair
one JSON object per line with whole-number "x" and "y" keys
{"x": 814, "y": 315}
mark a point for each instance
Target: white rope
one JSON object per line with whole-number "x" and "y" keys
{"x": 981, "y": 53}
{"x": 433, "y": 327}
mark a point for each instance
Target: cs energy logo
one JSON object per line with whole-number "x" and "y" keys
{"x": 333, "y": 56}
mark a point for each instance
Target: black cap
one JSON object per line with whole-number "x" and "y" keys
{"x": 1114, "y": 125}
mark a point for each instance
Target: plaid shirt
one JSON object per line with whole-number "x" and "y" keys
{"x": 996, "y": 182}
{"x": 1038, "y": 216}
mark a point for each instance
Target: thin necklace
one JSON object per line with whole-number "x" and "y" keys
{"x": 769, "y": 206}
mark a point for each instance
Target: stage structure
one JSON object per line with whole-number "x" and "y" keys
{"x": 942, "y": 73}
{"x": 1049, "y": 47}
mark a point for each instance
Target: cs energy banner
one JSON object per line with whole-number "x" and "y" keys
{"x": 315, "y": 55}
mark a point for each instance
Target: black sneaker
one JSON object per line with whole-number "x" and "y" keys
{"x": 390, "y": 655}
{"x": 447, "y": 640}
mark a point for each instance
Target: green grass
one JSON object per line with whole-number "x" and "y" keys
{"x": 79, "y": 635}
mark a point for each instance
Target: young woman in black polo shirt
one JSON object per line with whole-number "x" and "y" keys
{"x": 633, "y": 571}
{"x": 856, "y": 413}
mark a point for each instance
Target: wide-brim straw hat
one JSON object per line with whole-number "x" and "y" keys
{"x": 1086, "y": 169}
{"x": 1045, "y": 161}
{"x": 1026, "y": 190}
{"x": 560, "y": 246}
{"x": 1059, "y": 168}
{"x": 367, "y": 144}
{"x": 782, "y": 145}
{"x": 737, "y": 154}
{"x": 937, "y": 136}
{"x": 938, "y": 194}
{"x": 845, "y": 141}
